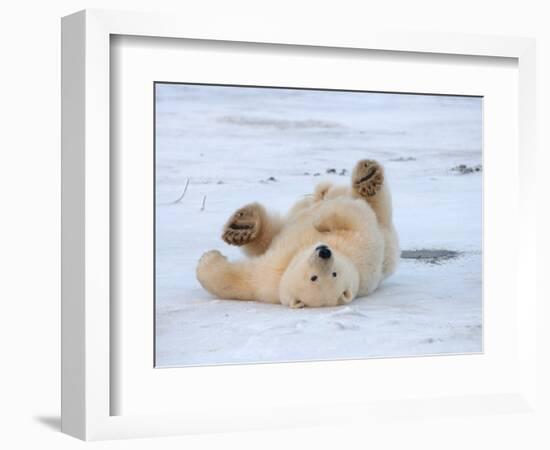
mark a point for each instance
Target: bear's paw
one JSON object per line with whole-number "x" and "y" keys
{"x": 368, "y": 177}
{"x": 243, "y": 226}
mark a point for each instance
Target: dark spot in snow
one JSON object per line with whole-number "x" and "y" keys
{"x": 331, "y": 170}
{"x": 463, "y": 169}
{"x": 268, "y": 180}
{"x": 316, "y": 174}
{"x": 343, "y": 172}
{"x": 430, "y": 256}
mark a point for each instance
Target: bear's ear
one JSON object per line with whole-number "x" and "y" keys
{"x": 345, "y": 298}
{"x": 296, "y": 303}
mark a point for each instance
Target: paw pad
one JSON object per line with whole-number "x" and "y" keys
{"x": 243, "y": 226}
{"x": 368, "y": 177}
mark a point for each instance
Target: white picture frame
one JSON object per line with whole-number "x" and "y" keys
{"x": 87, "y": 328}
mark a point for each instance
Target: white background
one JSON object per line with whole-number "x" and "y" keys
{"x": 29, "y": 180}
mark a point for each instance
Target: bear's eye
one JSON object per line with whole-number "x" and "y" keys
{"x": 314, "y": 278}
{"x": 334, "y": 274}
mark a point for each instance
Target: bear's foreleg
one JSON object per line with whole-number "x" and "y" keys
{"x": 225, "y": 279}
{"x": 252, "y": 229}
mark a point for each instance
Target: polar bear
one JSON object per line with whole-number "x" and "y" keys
{"x": 334, "y": 245}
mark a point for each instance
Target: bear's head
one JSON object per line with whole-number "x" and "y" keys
{"x": 319, "y": 276}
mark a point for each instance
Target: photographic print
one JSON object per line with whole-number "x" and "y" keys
{"x": 305, "y": 224}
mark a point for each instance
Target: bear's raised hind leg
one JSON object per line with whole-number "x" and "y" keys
{"x": 369, "y": 183}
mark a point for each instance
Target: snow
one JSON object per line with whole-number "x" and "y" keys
{"x": 229, "y": 141}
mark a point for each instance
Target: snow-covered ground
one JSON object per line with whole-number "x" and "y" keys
{"x": 238, "y": 145}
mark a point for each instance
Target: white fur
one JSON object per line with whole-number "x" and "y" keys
{"x": 358, "y": 231}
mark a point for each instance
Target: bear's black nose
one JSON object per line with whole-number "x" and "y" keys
{"x": 324, "y": 252}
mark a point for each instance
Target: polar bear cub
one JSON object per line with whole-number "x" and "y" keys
{"x": 334, "y": 245}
